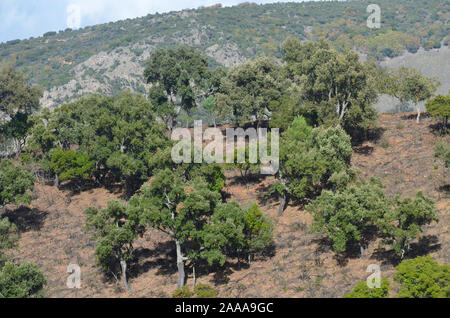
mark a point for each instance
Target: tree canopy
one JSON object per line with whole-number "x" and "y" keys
{"x": 335, "y": 86}
{"x": 249, "y": 89}
{"x": 439, "y": 107}
{"x": 120, "y": 135}
{"x": 179, "y": 77}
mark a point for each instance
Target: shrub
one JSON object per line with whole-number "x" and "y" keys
{"x": 183, "y": 292}
{"x": 205, "y": 291}
{"x": 21, "y": 281}
{"x": 361, "y": 290}
{"x": 423, "y": 277}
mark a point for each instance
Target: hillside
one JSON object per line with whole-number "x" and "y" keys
{"x": 303, "y": 265}
{"x": 109, "y": 57}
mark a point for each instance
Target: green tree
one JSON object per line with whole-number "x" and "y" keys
{"x": 181, "y": 73}
{"x": 115, "y": 229}
{"x": 249, "y": 89}
{"x": 423, "y": 277}
{"x": 361, "y": 290}
{"x": 119, "y": 134}
{"x": 70, "y": 165}
{"x": 16, "y": 95}
{"x": 337, "y": 86}
{"x": 210, "y": 106}
{"x": 439, "y": 107}
{"x": 258, "y": 232}
{"x": 18, "y": 100}
{"x": 16, "y": 182}
{"x": 312, "y": 159}
{"x": 404, "y": 222}
{"x": 180, "y": 208}
{"x": 409, "y": 85}
{"x": 348, "y": 215}
{"x": 224, "y": 236}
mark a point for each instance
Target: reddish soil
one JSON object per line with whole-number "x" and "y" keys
{"x": 52, "y": 233}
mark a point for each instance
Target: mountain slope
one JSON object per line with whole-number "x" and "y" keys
{"x": 303, "y": 265}
{"x": 109, "y": 57}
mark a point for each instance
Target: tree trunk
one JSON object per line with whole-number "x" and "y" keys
{"x": 249, "y": 259}
{"x": 123, "y": 265}
{"x": 57, "y": 181}
{"x": 282, "y": 204}
{"x": 180, "y": 265}
{"x": 418, "y": 114}
{"x": 361, "y": 247}
{"x": 193, "y": 276}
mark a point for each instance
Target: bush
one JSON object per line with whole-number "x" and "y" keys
{"x": 361, "y": 290}
{"x": 15, "y": 183}
{"x": 69, "y": 165}
{"x": 205, "y": 291}
{"x": 21, "y": 281}
{"x": 423, "y": 277}
{"x": 183, "y": 292}
{"x": 200, "y": 291}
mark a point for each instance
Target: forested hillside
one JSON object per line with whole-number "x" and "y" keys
{"x": 106, "y": 58}
{"x": 112, "y": 188}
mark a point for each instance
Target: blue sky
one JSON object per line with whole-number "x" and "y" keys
{"x": 22, "y": 19}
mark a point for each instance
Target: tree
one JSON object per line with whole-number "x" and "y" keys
{"x": 180, "y": 208}
{"x": 116, "y": 228}
{"x": 16, "y": 95}
{"x": 258, "y": 232}
{"x": 312, "y": 159}
{"x": 423, "y": 277}
{"x": 210, "y": 106}
{"x": 249, "y": 89}
{"x": 404, "y": 222}
{"x": 349, "y": 214}
{"x": 21, "y": 281}
{"x": 439, "y": 107}
{"x": 15, "y": 183}
{"x": 119, "y": 134}
{"x": 225, "y": 236}
{"x": 70, "y": 165}
{"x": 18, "y": 100}
{"x": 17, "y": 129}
{"x": 335, "y": 86}
{"x": 361, "y": 290}
{"x": 409, "y": 85}
{"x": 182, "y": 74}
{"x": 234, "y": 231}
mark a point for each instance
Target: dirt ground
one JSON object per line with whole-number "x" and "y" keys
{"x": 52, "y": 233}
